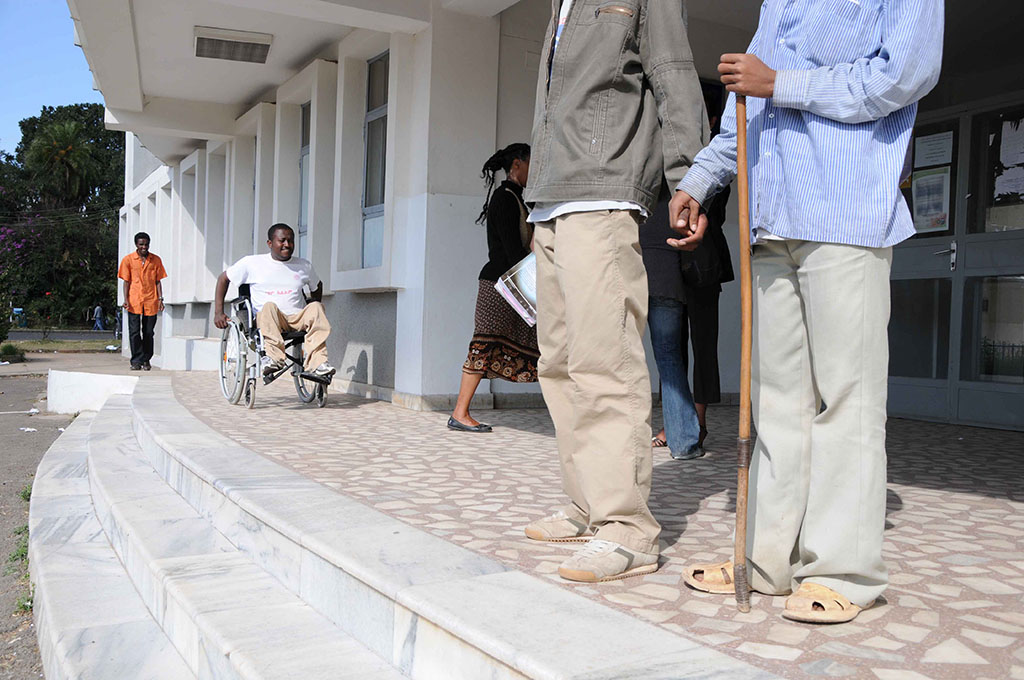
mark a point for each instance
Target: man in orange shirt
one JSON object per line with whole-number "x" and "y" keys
{"x": 141, "y": 272}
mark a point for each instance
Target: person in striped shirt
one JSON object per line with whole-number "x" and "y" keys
{"x": 832, "y": 89}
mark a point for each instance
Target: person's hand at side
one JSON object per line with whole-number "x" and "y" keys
{"x": 686, "y": 218}
{"x": 220, "y": 320}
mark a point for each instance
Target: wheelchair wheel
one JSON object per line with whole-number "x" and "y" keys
{"x": 305, "y": 390}
{"x": 232, "y": 362}
{"x": 250, "y": 393}
{"x": 321, "y": 396}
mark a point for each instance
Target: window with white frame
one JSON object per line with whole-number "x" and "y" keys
{"x": 375, "y": 141}
{"x": 303, "y": 226}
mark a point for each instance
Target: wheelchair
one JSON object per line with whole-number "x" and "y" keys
{"x": 241, "y": 352}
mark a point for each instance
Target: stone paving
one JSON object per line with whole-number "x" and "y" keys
{"x": 954, "y": 539}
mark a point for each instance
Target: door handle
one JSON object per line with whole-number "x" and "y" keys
{"x": 951, "y": 251}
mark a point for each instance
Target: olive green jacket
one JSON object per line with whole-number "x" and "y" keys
{"x": 619, "y": 106}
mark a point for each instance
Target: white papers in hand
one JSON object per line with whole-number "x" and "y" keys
{"x": 519, "y": 288}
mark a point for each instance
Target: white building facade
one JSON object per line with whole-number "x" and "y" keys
{"x": 364, "y": 125}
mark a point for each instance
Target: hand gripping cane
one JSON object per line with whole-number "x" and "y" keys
{"x": 746, "y": 322}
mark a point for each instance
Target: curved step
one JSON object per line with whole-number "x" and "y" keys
{"x": 435, "y": 609}
{"x": 226, "y": 616}
{"x": 90, "y": 621}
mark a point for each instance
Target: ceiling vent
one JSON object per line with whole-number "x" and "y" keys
{"x": 219, "y": 43}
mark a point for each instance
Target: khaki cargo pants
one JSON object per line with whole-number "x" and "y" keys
{"x": 592, "y": 310}
{"x": 312, "y": 319}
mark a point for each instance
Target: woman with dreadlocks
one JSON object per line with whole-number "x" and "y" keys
{"x": 503, "y": 345}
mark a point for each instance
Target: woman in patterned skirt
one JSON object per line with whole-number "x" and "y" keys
{"x": 503, "y": 345}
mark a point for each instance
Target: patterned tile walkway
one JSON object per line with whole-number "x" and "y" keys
{"x": 955, "y": 530}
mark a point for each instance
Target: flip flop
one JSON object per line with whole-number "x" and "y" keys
{"x": 717, "y": 578}
{"x": 658, "y": 443}
{"x": 815, "y": 603}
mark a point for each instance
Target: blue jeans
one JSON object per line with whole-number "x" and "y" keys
{"x": 665, "y": 318}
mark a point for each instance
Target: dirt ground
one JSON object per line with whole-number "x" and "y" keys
{"x": 20, "y": 453}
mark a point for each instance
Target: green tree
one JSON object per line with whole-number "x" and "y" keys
{"x": 107, "y": 146}
{"x": 59, "y": 198}
{"x": 14, "y": 190}
{"x": 62, "y": 165}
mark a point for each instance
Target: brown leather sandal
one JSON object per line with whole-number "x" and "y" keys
{"x": 815, "y": 603}
{"x": 717, "y": 578}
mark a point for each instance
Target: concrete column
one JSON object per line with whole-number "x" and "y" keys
{"x": 263, "y": 202}
{"x": 192, "y": 245}
{"x": 452, "y": 119}
{"x": 320, "y": 209}
{"x": 287, "y": 140}
{"x": 238, "y": 237}
{"x": 174, "y": 291}
{"x": 349, "y": 164}
{"x": 200, "y": 225}
{"x": 214, "y": 224}
{"x": 129, "y": 163}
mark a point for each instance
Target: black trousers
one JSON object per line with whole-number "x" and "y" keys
{"x": 140, "y": 335}
{"x": 702, "y": 319}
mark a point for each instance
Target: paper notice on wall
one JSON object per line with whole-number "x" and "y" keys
{"x": 934, "y": 149}
{"x": 1010, "y": 184}
{"x": 1011, "y": 145}
{"x": 930, "y": 190}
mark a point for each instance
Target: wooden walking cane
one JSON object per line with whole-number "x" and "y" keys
{"x": 746, "y": 335}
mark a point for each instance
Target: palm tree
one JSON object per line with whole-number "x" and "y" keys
{"x": 62, "y": 164}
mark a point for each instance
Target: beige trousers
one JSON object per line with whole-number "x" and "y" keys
{"x": 592, "y": 310}
{"x": 313, "y": 319}
{"x": 817, "y": 492}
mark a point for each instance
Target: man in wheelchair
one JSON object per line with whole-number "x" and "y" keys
{"x": 276, "y": 281}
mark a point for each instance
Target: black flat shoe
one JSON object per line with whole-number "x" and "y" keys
{"x": 461, "y": 427}
{"x": 136, "y": 367}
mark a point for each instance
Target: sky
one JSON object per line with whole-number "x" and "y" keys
{"x": 39, "y": 63}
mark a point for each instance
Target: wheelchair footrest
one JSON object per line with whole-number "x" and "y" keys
{"x": 313, "y": 377}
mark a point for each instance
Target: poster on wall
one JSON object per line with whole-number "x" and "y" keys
{"x": 1008, "y": 184}
{"x": 1011, "y": 146}
{"x": 930, "y": 189}
{"x": 934, "y": 149}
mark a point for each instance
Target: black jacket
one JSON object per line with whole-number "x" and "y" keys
{"x": 508, "y": 233}
{"x": 669, "y": 271}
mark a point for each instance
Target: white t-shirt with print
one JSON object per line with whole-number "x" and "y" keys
{"x": 276, "y": 281}
{"x": 544, "y": 212}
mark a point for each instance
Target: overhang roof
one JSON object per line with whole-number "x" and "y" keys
{"x": 141, "y": 53}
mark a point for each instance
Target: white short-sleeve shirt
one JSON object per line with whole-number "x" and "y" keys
{"x": 277, "y": 281}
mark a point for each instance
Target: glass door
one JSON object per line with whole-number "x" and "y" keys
{"x": 957, "y": 327}
{"x": 990, "y": 376}
{"x": 923, "y": 273}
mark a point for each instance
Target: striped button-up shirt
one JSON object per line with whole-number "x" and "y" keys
{"x": 827, "y": 150}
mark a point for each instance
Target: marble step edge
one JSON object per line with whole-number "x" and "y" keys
{"x": 90, "y": 621}
{"x": 226, "y": 616}
{"x": 398, "y": 589}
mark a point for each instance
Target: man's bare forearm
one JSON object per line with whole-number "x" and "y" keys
{"x": 222, "y": 289}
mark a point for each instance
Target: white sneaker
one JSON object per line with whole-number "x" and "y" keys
{"x": 325, "y": 370}
{"x": 602, "y": 560}
{"x": 559, "y": 528}
{"x": 270, "y": 366}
